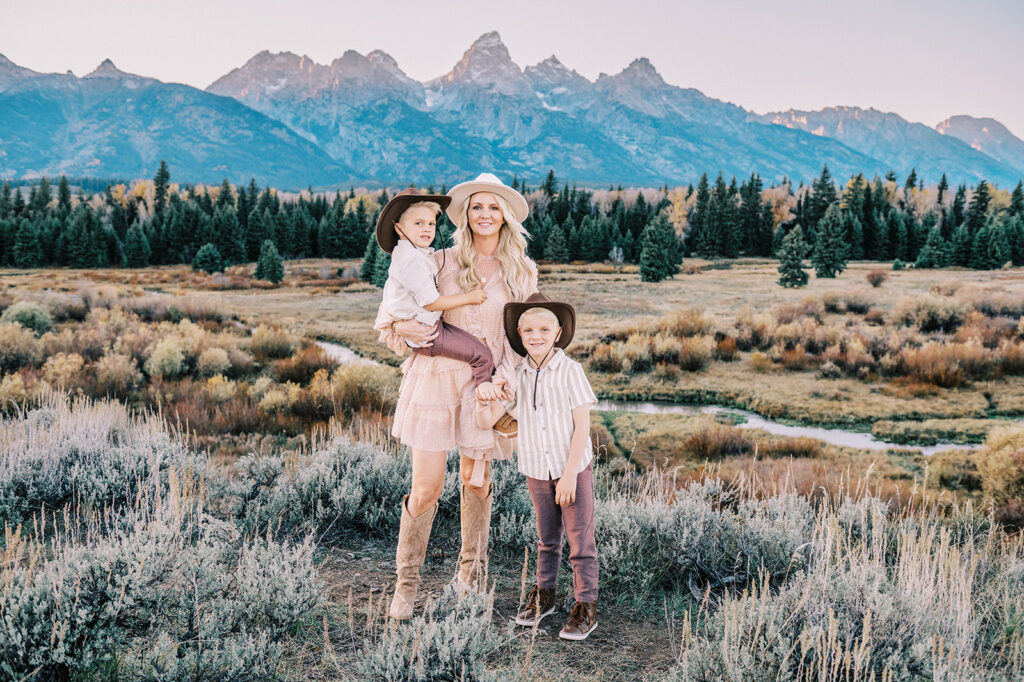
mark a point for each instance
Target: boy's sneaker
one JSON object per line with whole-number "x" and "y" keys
{"x": 506, "y": 426}
{"x": 539, "y": 603}
{"x": 582, "y": 621}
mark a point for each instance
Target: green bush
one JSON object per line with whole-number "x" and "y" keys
{"x": 208, "y": 259}
{"x": 30, "y": 316}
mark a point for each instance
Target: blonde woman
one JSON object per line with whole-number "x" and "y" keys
{"x": 436, "y": 403}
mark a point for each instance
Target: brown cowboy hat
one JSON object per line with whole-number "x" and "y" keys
{"x": 386, "y": 235}
{"x": 565, "y": 313}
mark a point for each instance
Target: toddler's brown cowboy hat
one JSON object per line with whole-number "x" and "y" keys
{"x": 565, "y": 313}
{"x": 386, "y": 235}
{"x": 487, "y": 182}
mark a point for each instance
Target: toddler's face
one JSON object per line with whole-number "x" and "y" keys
{"x": 418, "y": 226}
{"x": 539, "y": 334}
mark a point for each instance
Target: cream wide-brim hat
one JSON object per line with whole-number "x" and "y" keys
{"x": 487, "y": 182}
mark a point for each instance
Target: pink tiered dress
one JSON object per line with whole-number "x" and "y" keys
{"x": 436, "y": 408}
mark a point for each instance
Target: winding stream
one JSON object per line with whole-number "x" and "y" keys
{"x": 750, "y": 420}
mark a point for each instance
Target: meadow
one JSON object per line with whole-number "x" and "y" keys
{"x": 217, "y": 498}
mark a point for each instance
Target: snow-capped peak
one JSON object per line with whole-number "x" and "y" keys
{"x": 106, "y": 69}
{"x": 488, "y": 63}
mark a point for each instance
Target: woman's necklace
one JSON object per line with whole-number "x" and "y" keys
{"x": 488, "y": 263}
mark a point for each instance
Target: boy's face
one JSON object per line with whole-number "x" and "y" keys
{"x": 538, "y": 334}
{"x": 418, "y": 226}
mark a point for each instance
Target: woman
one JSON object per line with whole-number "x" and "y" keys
{"x": 436, "y": 402}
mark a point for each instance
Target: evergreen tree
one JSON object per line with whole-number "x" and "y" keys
{"x": 353, "y": 232}
{"x": 766, "y": 231}
{"x": 698, "y": 239}
{"x": 366, "y": 270}
{"x": 750, "y": 214}
{"x": 208, "y": 259}
{"x": 269, "y": 265}
{"x": 550, "y": 184}
{"x": 136, "y": 248}
{"x": 823, "y": 195}
{"x": 255, "y": 235}
{"x": 557, "y": 248}
{"x": 536, "y": 232}
{"x": 900, "y": 238}
{"x": 831, "y": 250}
{"x": 1013, "y": 228}
{"x": 161, "y": 182}
{"x": 6, "y": 201}
{"x": 791, "y": 259}
{"x": 28, "y": 252}
{"x": 934, "y": 253}
{"x": 302, "y": 229}
{"x": 225, "y": 197}
{"x": 977, "y": 210}
{"x": 659, "y": 250}
{"x": 960, "y": 252}
{"x": 82, "y": 244}
{"x": 228, "y": 237}
{"x": 18, "y": 203}
{"x": 1017, "y": 201}
{"x": 331, "y": 228}
{"x": 63, "y": 198}
{"x": 381, "y": 266}
{"x": 283, "y": 237}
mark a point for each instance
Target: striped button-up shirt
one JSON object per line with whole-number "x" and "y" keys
{"x": 545, "y": 415}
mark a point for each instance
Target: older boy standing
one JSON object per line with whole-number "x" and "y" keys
{"x": 555, "y": 455}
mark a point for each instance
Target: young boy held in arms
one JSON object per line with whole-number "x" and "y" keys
{"x": 406, "y": 230}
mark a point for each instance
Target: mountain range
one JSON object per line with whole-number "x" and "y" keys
{"x": 360, "y": 120}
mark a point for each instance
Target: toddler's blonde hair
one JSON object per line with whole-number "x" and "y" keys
{"x": 542, "y": 312}
{"x": 432, "y": 205}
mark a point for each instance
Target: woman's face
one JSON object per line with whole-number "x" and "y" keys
{"x": 484, "y": 214}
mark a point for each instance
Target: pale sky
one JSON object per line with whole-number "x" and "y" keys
{"x": 925, "y": 60}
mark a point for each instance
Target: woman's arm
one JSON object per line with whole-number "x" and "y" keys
{"x": 393, "y": 333}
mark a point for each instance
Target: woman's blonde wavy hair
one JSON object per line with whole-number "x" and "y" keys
{"x": 511, "y": 253}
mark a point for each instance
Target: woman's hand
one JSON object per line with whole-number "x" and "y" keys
{"x": 417, "y": 332}
{"x": 565, "y": 489}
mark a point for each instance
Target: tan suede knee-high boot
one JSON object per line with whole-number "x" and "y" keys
{"x": 476, "y": 528}
{"x": 413, "y": 535}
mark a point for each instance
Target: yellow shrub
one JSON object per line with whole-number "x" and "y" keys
{"x": 12, "y": 392}
{"x": 213, "y": 361}
{"x": 116, "y": 375}
{"x": 274, "y": 400}
{"x": 219, "y": 390}
{"x": 64, "y": 371}
{"x": 271, "y": 343}
{"x": 18, "y": 347}
{"x": 166, "y": 359}
{"x": 760, "y": 362}
{"x": 1001, "y": 464}
{"x": 689, "y": 322}
{"x": 260, "y": 388}
{"x": 695, "y": 352}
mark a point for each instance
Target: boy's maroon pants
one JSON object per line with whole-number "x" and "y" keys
{"x": 577, "y": 520}
{"x": 458, "y": 344}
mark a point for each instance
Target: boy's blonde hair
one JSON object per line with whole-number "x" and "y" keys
{"x": 432, "y": 205}
{"x": 542, "y": 312}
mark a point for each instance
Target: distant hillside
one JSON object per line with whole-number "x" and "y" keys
{"x": 111, "y": 123}
{"x": 361, "y": 120}
{"x": 899, "y": 144}
{"x": 988, "y": 136}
